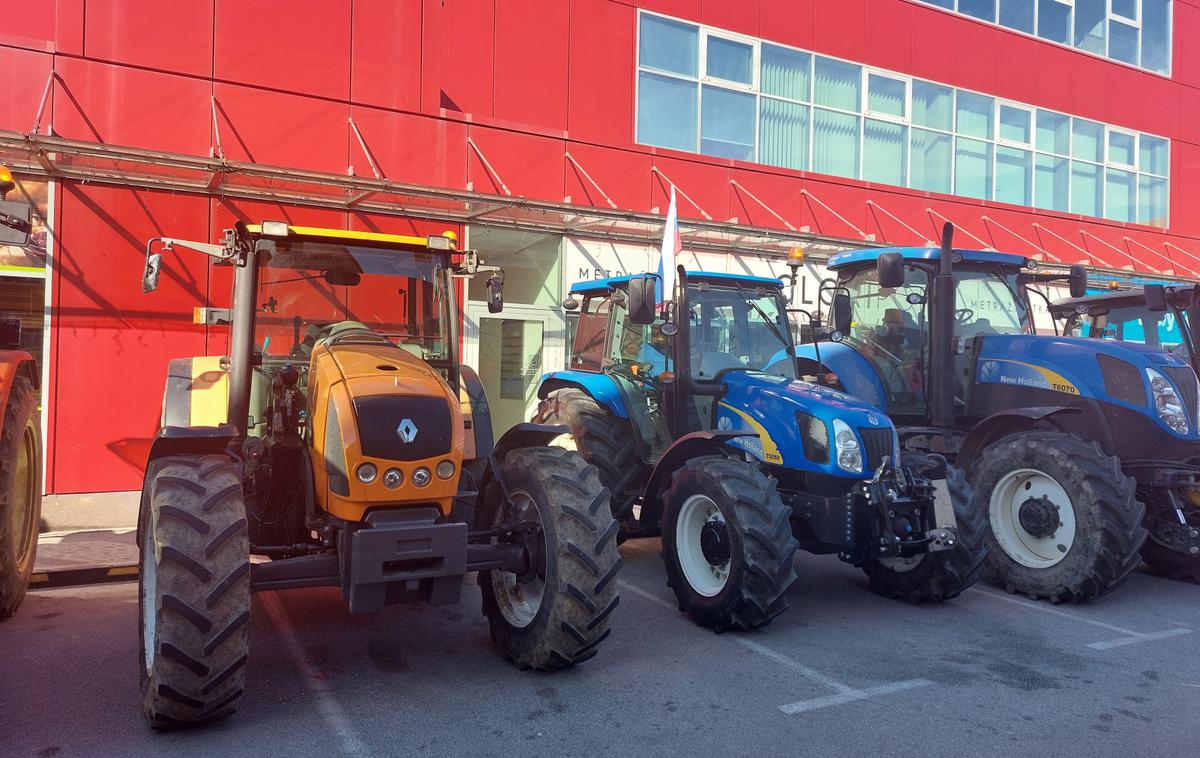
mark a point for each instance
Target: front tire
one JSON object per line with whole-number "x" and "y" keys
{"x": 1064, "y": 523}
{"x": 559, "y": 616}
{"x": 727, "y": 543}
{"x": 20, "y": 495}
{"x": 194, "y": 590}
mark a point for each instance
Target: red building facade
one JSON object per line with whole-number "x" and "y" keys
{"x": 539, "y": 99}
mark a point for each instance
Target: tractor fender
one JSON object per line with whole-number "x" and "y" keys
{"x": 693, "y": 445}
{"x": 182, "y": 440}
{"x": 855, "y": 373}
{"x": 197, "y": 392}
{"x": 528, "y": 434}
{"x": 13, "y": 364}
{"x": 601, "y": 388}
{"x": 476, "y": 408}
{"x": 1002, "y": 424}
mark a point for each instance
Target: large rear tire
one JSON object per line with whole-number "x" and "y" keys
{"x": 1163, "y": 561}
{"x": 20, "y": 495}
{"x": 727, "y": 543}
{"x": 1064, "y": 523}
{"x": 558, "y": 616}
{"x": 940, "y": 576}
{"x": 194, "y": 590}
{"x": 603, "y": 440}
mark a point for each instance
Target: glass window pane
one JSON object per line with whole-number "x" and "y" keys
{"x": 1054, "y": 21}
{"x": 1121, "y": 148}
{"x": 783, "y": 133}
{"x": 1017, "y": 14}
{"x": 974, "y": 115}
{"x": 1014, "y": 176}
{"x": 838, "y": 84}
{"x": 886, "y": 95}
{"x": 1118, "y": 195}
{"x": 1090, "y": 16}
{"x": 973, "y": 168}
{"x": 1014, "y": 124}
{"x": 729, "y": 60}
{"x": 931, "y": 161}
{"x": 835, "y": 143}
{"x": 727, "y": 124}
{"x": 947, "y": 4}
{"x": 1125, "y": 8}
{"x": 1153, "y": 155}
{"x": 933, "y": 105}
{"x": 666, "y": 112}
{"x": 669, "y": 45}
{"x": 1053, "y": 132}
{"x": 984, "y": 9}
{"x": 1087, "y": 140}
{"x": 1152, "y": 201}
{"x": 1052, "y": 180}
{"x": 1085, "y": 188}
{"x": 1122, "y": 42}
{"x": 1156, "y": 38}
{"x": 785, "y": 72}
{"x": 885, "y": 152}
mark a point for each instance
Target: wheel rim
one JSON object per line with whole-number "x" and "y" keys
{"x": 24, "y": 490}
{"x": 702, "y": 545}
{"x": 565, "y": 441}
{"x": 901, "y": 565}
{"x": 149, "y": 600}
{"x": 1032, "y": 518}
{"x": 520, "y": 600}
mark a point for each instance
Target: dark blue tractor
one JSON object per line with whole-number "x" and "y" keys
{"x": 735, "y": 466}
{"x": 1079, "y": 448}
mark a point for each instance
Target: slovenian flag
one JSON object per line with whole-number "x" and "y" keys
{"x": 672, "y": 245}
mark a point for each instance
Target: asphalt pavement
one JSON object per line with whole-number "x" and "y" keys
{"x": 843, "y": 672}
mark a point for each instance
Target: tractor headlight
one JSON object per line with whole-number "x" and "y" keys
{"x": 849, "y": 453}
{"x": 366, "y": 473}
{"x": 1167, "y": 402}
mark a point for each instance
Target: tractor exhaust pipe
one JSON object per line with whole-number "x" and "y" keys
{"x": 941, "y": 349}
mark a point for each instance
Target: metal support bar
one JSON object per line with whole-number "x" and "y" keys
{"x": 1084, "y": 233}
{"x": 814, "y": 199}
{"x": 216, "y": 126}
{"x": 1185, "y": 252}
{"x": 893, "y": 217}
{"x": 37, "y": 119}
{"x": 362, "y": 143}
{"x": 483, "y": 159}
{"x": 681, "y": 193}
{"x": 1128, "y": 240}
{"x": 1087, "y": 254}
{"x": 359, "y": 197}
{"x": 583, "y": 172}
{"x": 766, "y": 207}
{"x": 989, "y": 220}
{"x": 959, "y": 229}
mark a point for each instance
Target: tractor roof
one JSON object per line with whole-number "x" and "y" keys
{"x": 592, "y": 286}
{"x": 373, "y": 239}
{"x": 1117, "y": 298}
{"x": 871, "y": 254}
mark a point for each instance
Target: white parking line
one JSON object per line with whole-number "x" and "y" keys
{"x": 844, "y": 692}
{"x": 331, "y": 710}
{"x": 1130, "y": 637}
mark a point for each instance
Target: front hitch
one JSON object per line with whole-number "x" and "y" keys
{"x": 905, "y": 513}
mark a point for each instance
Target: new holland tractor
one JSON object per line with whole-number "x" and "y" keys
{"x": 341, "y": 444}
{"x": 1079, "y": 447}
{"x": 20, "y": 446}
{"x": 737, "y": 467}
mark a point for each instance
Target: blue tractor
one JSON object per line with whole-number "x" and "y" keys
{"x": 736, "y": 467}
{"x": 1079, "y": 448}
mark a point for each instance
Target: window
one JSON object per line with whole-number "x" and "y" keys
{"x": 721, "y": 94}
{"x": 1136, "y": 32}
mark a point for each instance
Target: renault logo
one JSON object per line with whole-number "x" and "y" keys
{"x": 407, "y": 431}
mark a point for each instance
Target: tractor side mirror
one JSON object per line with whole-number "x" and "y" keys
{"x": 14, "y": 223}
{"x": 840, "y": 311}
{"x": 889, "y": 270}
{"x": 152, "y": 270}
{"x": 1156, "y": 298}
{"x": 10, "y": 334}
{"x": 1078, "y": 280}
{"x": 495, "y": 292}
{"x": 641, "y": 299}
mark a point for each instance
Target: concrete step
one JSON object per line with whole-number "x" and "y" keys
{"x": 85, "y": 557}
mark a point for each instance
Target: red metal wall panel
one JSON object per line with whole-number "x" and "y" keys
{"x": 600, "y": 100}
{"x": 30, "y": 25}
{"x": 531, "y": 62}
{"x": 528, "y": 165}
{"x": 622, "y": 175}
{"x": 410, "y": 149}
{"x": 933, "y": 44}
{"x": 466, "y": 47}
{"x": 386, "y": 54}
{"x": 301, "y": 47}
{"x": 889, "y": 31}
{"x": 1186, "y": 68}
{"x": 114, "y": 341}
{"x": 129, "y": 106}
{"x": 975, "y": 57}
{"x": 25, "y": 73}
{"x": 706, "y": 183}
{"x": 838, "y": 28}
{"x": 788, "y": 21}
{"x": 741, "y": 17}
{"x": 174, "y": 36}
{"x": 284, "y": 130}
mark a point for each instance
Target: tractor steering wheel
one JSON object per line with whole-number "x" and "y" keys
{"x": 963, "y": 316}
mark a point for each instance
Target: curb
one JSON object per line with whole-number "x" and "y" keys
{"x": 75, "y": 577}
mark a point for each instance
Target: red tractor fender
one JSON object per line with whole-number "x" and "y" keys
{"x": 15, "y": 363}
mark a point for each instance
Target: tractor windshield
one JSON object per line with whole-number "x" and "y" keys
{"x": 305, "y": 287}
{"x": 1134, "y": 323}
{"x": 735, "y": 327}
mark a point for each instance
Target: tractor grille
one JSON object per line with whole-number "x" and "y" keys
{"x": 403, "y": 428}
{"x": 1185, "y": 380}
{"x": 878, "y": 444}
{"x": 1122, "y": 380}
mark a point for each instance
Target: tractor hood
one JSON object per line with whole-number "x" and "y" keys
{"x": 1102, "y": 370}
{"x": 794, "y": 421}
{"x": 383, "y": 369}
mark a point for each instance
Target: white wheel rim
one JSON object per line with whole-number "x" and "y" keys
{"x": 519, "y": 601}
{"x": 149, "y": 600}
{"x": 565, "y": 441}
{"x": 1012, "y": 491}
{"x": 701, "y": 575}
{"x": 901, "y": 565}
